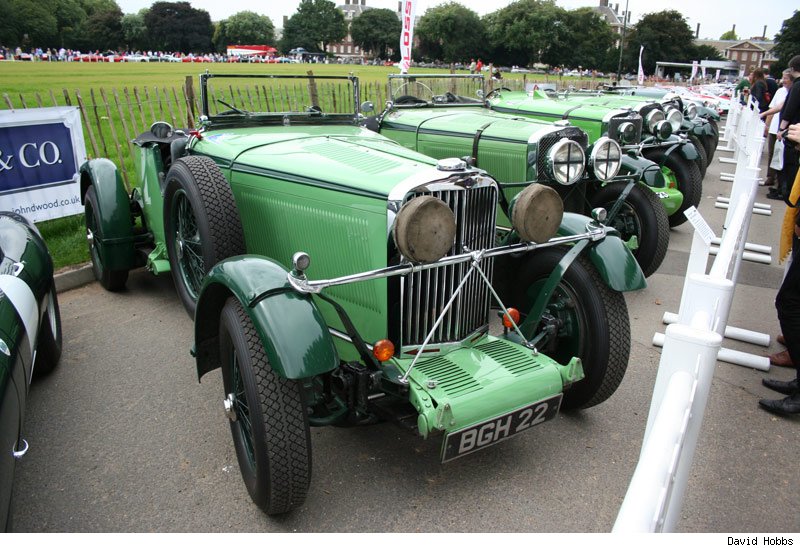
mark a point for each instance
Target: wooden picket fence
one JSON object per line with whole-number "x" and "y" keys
{"x": 112, "y": 117}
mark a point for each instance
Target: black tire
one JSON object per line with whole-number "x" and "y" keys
{"x": 593, "y": 326}
{"x": 715, "y": 138}
{"x": 641, "y": 215}
{"x": 112, "y": 280}
{"x": 270, "y": 432}
{"x": 201, "y": 224}
{"x": 702, "y": 153}
{"x": 48, "y": 349}
{"x": 687, "y": 176}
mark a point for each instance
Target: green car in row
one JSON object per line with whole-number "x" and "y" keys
{"x": 674, "y": 158}
{"x": 444, "y": 116}
{"x": 338, "y": 278}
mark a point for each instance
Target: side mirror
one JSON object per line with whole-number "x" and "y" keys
{"x": 480, "y": 93}
{"x": 367, "y": 106}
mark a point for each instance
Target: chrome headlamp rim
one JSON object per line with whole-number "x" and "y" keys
{"x": 653, "y": 117}
{"x": 675, "y": 118}
{"x": 691, "y": 110}
{"x": 575, "y": 168}
{"x": 663, "y": 130}
{"x": 627, "y": 133}
{"x": 605, "y": 159}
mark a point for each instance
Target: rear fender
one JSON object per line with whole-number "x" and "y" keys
{"x": 116, "y": 247}
{"x": 293, "y": 333}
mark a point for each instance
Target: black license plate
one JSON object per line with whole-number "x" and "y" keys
{"x": 482, "y": 435}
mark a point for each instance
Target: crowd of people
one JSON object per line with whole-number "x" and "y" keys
{"x": 780, "y": 107}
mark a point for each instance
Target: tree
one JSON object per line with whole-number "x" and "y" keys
{"x": 706, "y": 52}
{"x": 787, "y": 44}
{"x": 450, "y": 33}
{"x": 245, "y": 27}
{"x": 70, "y": 16}
{"x": 134, "y": 31}
{"x": 103, "y": 30}
{"x": 27, "y": 24}
{"x": 729, "y": 35}
{"x": 665, "y": 35}
{"x": 316, "y": 24}
{"x": 376, "y": 31}
{"x": 581, "y": 37}
{"x": 177, "y": 26}
{"x": 523, "y": 32}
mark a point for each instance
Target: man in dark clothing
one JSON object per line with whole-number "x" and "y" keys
{"x": 790, "y": 114}
{"x": 772, "y": 85}
{"x": 788, "y": 305}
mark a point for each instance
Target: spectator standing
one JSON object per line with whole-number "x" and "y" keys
{"x": 472, "y": 66}
{"x": 759, "y": 90}
{"x": 790, "y": 115}
{"x": 743, "y": 88}
{"x": 773, "y": 118}
{"x": 479, "y": 66}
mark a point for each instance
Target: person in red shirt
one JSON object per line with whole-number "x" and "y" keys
{"x": 479, "y": 66}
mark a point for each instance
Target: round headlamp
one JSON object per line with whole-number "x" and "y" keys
{"x": 653, "y": 118}
{"x": 663, "y": 130}
{"x": 605, "y": 159}
{"x": 627, "y": 133}
{"x": 425, "y": 229}
{"x": 536, "y": 213}
{"x": 675, "y": 119}
{"x": 690, "y": 110}
{"x": 566, "y": 162}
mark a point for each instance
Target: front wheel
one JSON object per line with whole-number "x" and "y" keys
{"x": 591, "y": 323}
{"x": 269, "y": 420}
{"x": 641, "y": 215}
{"x": 702, "y": 155}
{"x": 685, "y": 174}
{"x": 48, "y": 349}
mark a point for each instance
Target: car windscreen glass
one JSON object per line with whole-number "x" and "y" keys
{"x": 271, "y": 96}
{"x": 436, "y": 89}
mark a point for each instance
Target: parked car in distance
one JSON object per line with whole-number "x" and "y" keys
{"x": 30, "y": 337}
{"x": 338, "y": 278}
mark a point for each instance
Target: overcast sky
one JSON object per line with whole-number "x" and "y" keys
{"x": 714, "y": 16}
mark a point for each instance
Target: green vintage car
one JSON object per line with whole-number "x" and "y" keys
{"x": 676, "y": 159}
{"x": 444, "y": 116}
{"x": 338, "y": 278}
{"x": 30, "y": 337}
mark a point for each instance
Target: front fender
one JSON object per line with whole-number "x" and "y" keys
{"x": 698, "y": 127}
{"x": 614, "y": 262}
{"x": 292, "y": 331}
{"x": 646, "y": 170}
{"x": 114, "y": 211}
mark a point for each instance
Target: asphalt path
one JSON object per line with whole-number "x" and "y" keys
{"x": 124, "y": 439}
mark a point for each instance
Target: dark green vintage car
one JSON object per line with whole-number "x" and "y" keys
{"x": 338, "y": 278}
{"x": 444, "y": 116}
{"x": 30, "y": 336}
{"x": 676, "y": 159}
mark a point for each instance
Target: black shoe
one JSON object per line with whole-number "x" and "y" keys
{"x": 787, "y": 406}
{"x": 774, "y": 195}
{"x": 784, "y": 387}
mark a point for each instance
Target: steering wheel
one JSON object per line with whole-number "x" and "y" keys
{"x": 496, "y": 91}
{"x": 314, "y": 110}
{"x": 408, "y": 100}
{"x": 405, "y": 85}
{"x": 233, "y": 108}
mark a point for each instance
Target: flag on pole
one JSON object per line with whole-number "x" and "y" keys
{"x": 694, "y": 70}
{"x": 716, "y": 76}
{"x": 407, "y": 34}
{"x": 703, "y": 71}
{"x": 640, "y": 75}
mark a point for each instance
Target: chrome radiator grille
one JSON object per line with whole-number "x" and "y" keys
{"x": 614, "y": 123}
{"x": 425, "y": 294}
{"x": 546, "y": 142}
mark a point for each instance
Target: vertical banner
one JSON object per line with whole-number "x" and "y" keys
{"x": 640, "y": 75}
{"x": 694, "y": 71}
{"x": 716, "y": 76}
{"x": 407, "y": 34}
{"x": 41, "y": 150}
{"x": 703, "y": 73}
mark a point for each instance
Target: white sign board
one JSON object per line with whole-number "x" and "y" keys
{"x": 41, "y": 151}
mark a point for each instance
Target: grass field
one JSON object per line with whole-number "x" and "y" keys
{"x": 32, "y": 84}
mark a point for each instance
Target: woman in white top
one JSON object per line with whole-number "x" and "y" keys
{"x": 773, "y": 121}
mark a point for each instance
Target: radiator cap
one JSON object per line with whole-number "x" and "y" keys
{"x": 451, "y": 164}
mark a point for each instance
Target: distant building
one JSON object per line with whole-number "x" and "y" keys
{"x": 612, "y": 16}
{"x": 746, "y": 54}
{"x": 347, "y": 48}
